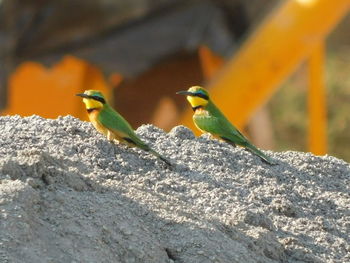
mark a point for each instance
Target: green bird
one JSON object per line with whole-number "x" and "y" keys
{"x": 110, "y": 123}
{"x": 208, "y": 118}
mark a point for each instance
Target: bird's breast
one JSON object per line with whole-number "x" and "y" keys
{"x": 93, "y": 116}
{"x": 200, "y": 118}
{"x": 200, "y": 112}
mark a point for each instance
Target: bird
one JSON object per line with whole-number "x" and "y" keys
{"x": 209, "y": 119}
{"x": 110, "y": 123}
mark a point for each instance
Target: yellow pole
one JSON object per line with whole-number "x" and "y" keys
{"x": 317, "y": 101}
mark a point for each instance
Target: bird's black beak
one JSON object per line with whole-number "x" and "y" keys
{"x": 185, "y": 92}
{"x": 83, "y": 95}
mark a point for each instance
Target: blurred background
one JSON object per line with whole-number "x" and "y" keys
{"x": 279, "y": 70}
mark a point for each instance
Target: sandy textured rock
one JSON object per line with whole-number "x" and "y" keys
{"x": 68, "y": 195}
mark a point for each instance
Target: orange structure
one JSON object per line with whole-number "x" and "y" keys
{"x": 291, "y": 34}
{"x": 34, "y": 89}
{"x": 317, "y": 101}
{"x": 210, "y": 62}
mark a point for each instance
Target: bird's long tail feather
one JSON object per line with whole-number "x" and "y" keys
{"x": 263, "y": 156}
{"x": 160, "y": 157}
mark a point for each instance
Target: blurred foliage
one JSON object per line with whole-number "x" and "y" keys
{"x": 288, "y": 113}
{"x": 338, "y": 82}
{"x": 289, "y": 108}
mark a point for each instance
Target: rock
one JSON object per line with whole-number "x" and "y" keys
{"x": 68, "y": 195}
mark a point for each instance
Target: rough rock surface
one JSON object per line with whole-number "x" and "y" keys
{"x": 68, "y": 195}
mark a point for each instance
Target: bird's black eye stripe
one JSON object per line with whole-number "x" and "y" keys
{"x": 201, "y": 95}
{"x": 98, "y": 98}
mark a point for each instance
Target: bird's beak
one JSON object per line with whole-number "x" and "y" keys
{"x": 83, "y": 95}
{"x": 185, "y": 92}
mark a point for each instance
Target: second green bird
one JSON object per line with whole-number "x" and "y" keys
{"x": 208, "y": 118}
{"x": 110, "y": 123}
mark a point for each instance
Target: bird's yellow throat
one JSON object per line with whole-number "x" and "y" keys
{"x": 197, "y": 101}
{"x": 92, "y": 104}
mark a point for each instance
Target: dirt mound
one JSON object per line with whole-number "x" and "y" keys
{"x": 68, "y": 195}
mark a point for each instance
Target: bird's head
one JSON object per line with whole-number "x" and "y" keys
{"x": 93, "y": 99}
{"x": 196, "y": 96}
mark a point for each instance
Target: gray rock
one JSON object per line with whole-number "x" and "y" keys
{"x": 69, "y": 195}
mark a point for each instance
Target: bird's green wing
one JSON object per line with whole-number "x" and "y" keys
{"x": 215, "y": 123}
{"x": 113, "y": 121}
{"x": 219, "y": 126}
